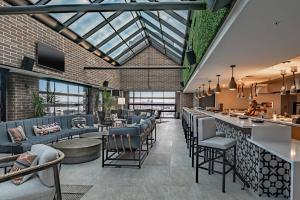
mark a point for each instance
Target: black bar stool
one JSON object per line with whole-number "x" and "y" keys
{"x": 214, "y": 148}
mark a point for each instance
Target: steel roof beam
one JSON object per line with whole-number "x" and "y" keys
{"x": 103, "y": 7}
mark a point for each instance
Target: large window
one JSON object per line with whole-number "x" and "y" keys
{"x": 63, "y": 98}
{"x": 155, "y": 100}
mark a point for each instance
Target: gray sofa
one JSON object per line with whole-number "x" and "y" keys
{"x": 6, "y": 146}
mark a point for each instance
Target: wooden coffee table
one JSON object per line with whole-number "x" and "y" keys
{"x": 79, "y": 150}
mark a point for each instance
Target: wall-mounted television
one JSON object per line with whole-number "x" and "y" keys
{"x": 50, "y": 57}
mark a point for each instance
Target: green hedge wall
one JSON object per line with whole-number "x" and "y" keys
{"x": 204, "y": 26}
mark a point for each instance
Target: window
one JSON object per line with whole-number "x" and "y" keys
{"x": 62, "y": 98}
{"x": 155, "y": 100}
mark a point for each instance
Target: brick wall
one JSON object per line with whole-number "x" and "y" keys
{"x": 19, "y": 97}
{"x": 19, "y": 35}
{"x": 157, "y": 79}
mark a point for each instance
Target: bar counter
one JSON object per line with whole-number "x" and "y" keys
{"x": 268, "y": 159}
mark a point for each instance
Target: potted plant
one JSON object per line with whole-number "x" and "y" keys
{"x": 38, "y": 104}
{"x": 107, "y": 102}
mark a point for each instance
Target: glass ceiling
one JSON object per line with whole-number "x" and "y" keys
{"x": 122, "y": 35}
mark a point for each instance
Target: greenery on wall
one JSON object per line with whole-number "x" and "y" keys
{"x": 204, "y": 26}
{"x": 38, "y": 104}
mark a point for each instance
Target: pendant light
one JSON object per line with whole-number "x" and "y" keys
{"x": 242, "y": 93}
{"x": 203, "y": 91}
{"x": 251, "y": 95}
{"x": 293, "y": 90}
{"x": 255, "y": 90}
{"x": 199, "y": 93}
{"x": 238, "y": 92}
{"x": 232, "y": 84}
{"x": 209, "y": 92}
{"x": 218, "y": 88}
{"x": 283, "y": 87}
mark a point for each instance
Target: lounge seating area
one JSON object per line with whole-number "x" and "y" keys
{"x": 66, "y": 130}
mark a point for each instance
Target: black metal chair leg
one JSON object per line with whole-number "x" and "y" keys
{"x": 224, "y": 171}
{"x": 197, "y": 163}
{"x": 193, "y": 151}
{"x": 234, "y": 163}
{"x": 57, "y": 182}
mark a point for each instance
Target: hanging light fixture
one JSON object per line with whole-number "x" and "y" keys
{"x": 242, "y": 92}
{"x": 232, "y": 84}
{"x": 218, "y": 88}
{"x": 238, "y": 92}
{"x": 209, "y": 91}
{"x": 283, "y": 87}
{"x": 203, "y": 91}
{"x": 255, "y": 90}
{"x": 293, "y": 90}
{"x": 199, "y": 93}
{"x": 251, "y": 95}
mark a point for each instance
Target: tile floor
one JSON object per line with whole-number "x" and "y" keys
{"x": 165, "y": 175}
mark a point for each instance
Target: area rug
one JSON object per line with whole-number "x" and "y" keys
{"x": 74, "y": 192}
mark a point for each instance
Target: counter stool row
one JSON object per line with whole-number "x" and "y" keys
{"x": 203, "y": 141}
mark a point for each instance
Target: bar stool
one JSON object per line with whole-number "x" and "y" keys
{"x": 194, "y": 141}
{"x": 214, "y": 148}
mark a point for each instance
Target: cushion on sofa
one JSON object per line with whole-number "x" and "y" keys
{"x": 78, "y": 122}
{"x": 28, "y": 124}
{"x": 17, "y": 134}
{"x": 25, "y": 160}
{"x": 45, "y": 154}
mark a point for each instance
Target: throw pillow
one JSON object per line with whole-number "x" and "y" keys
{"x": 40, "y": 130}
{"x": 17, "y": 134}
{"x": 46, "y": 129}
{"x": 45, "y": 154}
{"x": 24, "y": 161}
{"x": 79, "y": 122}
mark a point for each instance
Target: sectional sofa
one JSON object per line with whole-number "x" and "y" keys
{"x": 6, "y": 146}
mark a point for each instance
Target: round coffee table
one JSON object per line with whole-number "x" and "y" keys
{"x": 92, "y": 135}
{"x": 79, "y": 150}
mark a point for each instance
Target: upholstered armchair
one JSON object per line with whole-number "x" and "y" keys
{"x": 44, "y": 183}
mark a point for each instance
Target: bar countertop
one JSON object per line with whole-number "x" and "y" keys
{"x": 242, "y": 123}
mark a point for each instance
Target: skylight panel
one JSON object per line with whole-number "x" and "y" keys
{"x": 86, "y": 23}
{"x": 135, "y": 39}
{"x": 118, "y": 51}
{"x": 110, "y": 44}
{"x": 129, "y": 31}
{"x": 153, "y": 31}
{"x": 63, "y": 17}
{"x": 140, "y": 47}
{"x": 156, "y": 40}
{"x": 150, "y": 19}
{"x": 100, "y": 35}
{"x": 125, "y": 57}
{"x": 121, "y": 20}
{"x": 172, "y": 34}
{"x": 173, "y": 51}
{"x": 172, "y": 21}
{"x": 182, "y": 13}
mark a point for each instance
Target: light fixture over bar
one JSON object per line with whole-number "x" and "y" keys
{"x": 101, "y": 7}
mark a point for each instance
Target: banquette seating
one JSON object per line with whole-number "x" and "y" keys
{"x": 65, "y": 122}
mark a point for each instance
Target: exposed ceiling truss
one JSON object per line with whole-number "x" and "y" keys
{"x": 121, "y": 32}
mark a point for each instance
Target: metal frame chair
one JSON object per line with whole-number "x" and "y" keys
{"x": 114, "y": 147}
{"x": 52, "y": 164}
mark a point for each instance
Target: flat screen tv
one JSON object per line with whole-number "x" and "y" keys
{"x": 50, "y": 57}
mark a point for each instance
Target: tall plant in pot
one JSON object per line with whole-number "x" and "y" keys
{"x": 38, "y": 103}
{"x": 107, "y": 102}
